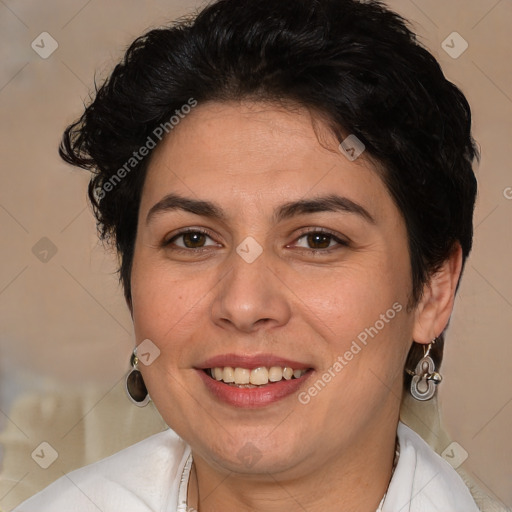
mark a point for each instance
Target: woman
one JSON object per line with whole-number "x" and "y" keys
{"x": 290, "y": 189}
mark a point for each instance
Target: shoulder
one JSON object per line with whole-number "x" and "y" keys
{"x": 423, "y": 481}
{"x": 139, "y": 479}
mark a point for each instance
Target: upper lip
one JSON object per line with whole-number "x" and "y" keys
{"x": 250, "y": 362}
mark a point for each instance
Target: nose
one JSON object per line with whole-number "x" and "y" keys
{"x": 250, "y": 297}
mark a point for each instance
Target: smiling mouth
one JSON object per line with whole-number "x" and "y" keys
{"x": 253, "y": 378}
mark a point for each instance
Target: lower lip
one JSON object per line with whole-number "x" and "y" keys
{"x": 251, "y": 398}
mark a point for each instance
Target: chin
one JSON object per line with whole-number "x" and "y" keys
{"x": 250, "y": 451}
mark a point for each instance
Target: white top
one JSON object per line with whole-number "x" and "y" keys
{"x": 152, "y": 476}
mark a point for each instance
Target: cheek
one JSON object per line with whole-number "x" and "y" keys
{"x": 155, "y": 295}
{"x": 168, "y": 304}
{"x": 354, "y": 298}
{"x": 361, "y": 312}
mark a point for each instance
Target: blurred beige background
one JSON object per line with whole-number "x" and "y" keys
{"x": 64, "y": 327}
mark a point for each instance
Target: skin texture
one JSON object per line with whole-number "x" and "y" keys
{"x": 249, "y": 158}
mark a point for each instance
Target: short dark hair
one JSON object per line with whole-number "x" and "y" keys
{"x": 355, "y": 62}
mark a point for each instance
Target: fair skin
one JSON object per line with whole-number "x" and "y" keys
{"x": 197, "y": 298}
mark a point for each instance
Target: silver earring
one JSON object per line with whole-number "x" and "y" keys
{"x": 424, "y": 378}
{"x": 135, "y": 386}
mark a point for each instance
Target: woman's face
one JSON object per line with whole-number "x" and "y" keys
{"x": 295, "y": 257}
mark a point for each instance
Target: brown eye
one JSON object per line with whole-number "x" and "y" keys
{"x": 194, "y": 239}
{"x": 319, "y": 240}
{"x": 190, "y": 240}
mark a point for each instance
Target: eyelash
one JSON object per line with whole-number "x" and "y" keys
{"x": 339, "y": 241}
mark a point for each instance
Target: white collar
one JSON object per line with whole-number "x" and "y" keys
{"x": 146, "y": 477}
{"x": 423, "y": 481}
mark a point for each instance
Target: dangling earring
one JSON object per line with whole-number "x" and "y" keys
{"x": 424, "y": 378}
{"x": 135, "y": 386}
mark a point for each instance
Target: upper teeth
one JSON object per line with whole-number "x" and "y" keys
{"x": 258, "y": 376}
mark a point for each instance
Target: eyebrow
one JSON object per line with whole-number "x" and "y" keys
{"x": 329, "y": 203}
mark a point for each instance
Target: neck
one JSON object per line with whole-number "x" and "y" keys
{"x": 354, "y": 480}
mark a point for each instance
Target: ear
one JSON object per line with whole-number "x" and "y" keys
{"x": 435, "y": 307}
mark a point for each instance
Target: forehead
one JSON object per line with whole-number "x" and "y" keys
{"x": 250, "y": 129}
{"x": 252, "y": 152}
